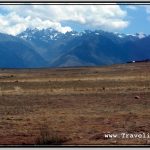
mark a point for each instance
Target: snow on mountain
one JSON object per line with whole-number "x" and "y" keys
{"x": 52, "y": 34}
{"x": 43, "y": 34}
{"x": 77, "y": 48}
{"x": 141, "y": 35}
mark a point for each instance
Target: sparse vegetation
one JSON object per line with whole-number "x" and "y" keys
{"x": 49, "y": 137}
{"x": 74, "y": 106}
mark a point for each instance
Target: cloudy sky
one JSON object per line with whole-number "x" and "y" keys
{"x": 116, "y": 18}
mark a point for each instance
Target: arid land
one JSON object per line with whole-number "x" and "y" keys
{"x": 75, "y": 106}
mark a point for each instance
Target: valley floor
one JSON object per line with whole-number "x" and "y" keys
{"x": 75, "y": 106}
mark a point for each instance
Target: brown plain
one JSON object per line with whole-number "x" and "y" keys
{"x": 74, "y": 106}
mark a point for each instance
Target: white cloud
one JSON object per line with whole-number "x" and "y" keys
{"x": 14, "y": 24}
{"x": 147, "y": 9}
{"x": 109, "y": 17}
{"x": 132, "y": 7}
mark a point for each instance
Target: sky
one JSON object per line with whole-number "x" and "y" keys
{"x": 129, "y": 19}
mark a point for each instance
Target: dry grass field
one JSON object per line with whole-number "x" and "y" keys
{"x": 74, "y": 106}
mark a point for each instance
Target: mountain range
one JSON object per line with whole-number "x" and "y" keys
{"x": 35, "y": 48}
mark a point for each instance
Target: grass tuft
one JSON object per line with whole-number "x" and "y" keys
{"x": 48, "y": 137}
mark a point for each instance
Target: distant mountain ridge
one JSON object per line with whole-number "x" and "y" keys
{"x": 35, "y": 48}
{"x": 18, "y": 53}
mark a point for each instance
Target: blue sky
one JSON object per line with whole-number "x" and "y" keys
{"x": 139, "y": 20}
{"x": 64, "y": 18}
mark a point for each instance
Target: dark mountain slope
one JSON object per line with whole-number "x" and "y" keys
{"x": 17, "y": 53}
{"x": 50, "y": 48}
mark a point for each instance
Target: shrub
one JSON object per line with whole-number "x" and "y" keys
{"x": 48, "y": 137}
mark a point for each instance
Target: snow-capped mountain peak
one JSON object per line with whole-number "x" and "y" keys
{"x": 42, "y": 34}
{"x": 73, "y": 48}
{"x": 52, "y": 34}
{"x": 141, "y": 35}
